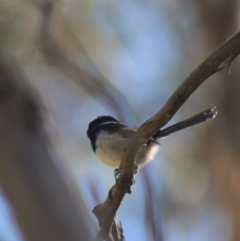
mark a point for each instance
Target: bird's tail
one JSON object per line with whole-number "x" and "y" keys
{"x": 194, "y": 120}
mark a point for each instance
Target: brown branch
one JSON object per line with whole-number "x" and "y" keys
{"x": 221, "y": 58}
{"x": 44, "y": 203}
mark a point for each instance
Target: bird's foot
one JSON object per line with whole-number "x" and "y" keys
{"x": 130, "y": 182}
{"x": 136, "y": 169}
{"x": 117, "y": 172}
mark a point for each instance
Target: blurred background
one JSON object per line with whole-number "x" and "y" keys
{"x": 125, "y": 58}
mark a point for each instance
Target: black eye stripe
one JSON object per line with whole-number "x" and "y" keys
{"x": 107, "y": 125}
{"x": 101, "y": 119}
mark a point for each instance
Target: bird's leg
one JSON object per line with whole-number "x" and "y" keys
{"x": 117, "y": 172}
{"x": 136, "y": 169}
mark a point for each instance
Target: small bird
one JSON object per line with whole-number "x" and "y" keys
{"x": 108, "y": 137}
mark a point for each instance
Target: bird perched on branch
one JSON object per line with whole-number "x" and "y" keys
{"x": 109, "y": 137}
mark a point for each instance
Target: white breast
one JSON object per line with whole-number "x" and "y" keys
{"x": 109, "y": 149}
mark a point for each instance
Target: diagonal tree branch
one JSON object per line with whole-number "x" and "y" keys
{"x": 218, "y": 60}
{"x": 221, "y": 58}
